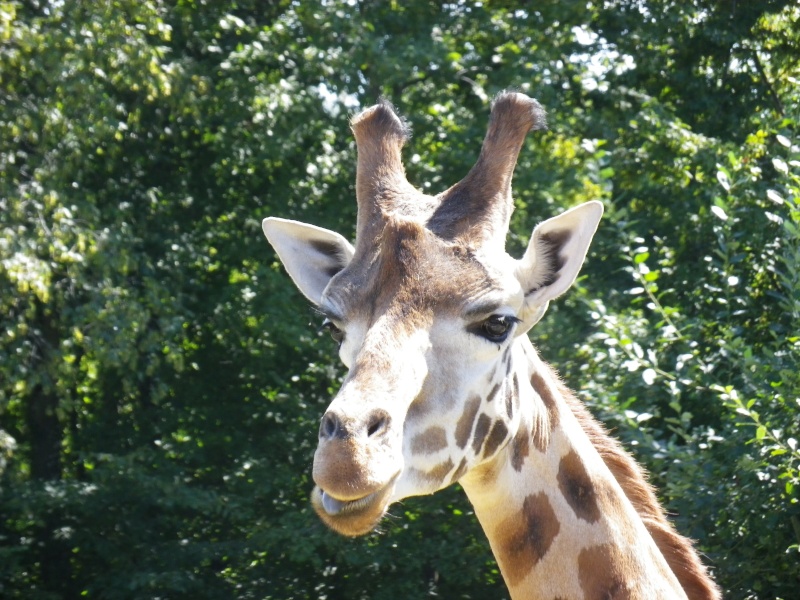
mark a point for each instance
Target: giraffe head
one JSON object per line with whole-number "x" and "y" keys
{"x": 426, "y": 307}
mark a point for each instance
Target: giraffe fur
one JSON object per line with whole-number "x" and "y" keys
{"x": 444, "y": 386}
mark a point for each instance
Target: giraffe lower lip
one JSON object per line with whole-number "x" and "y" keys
{"x": 335, "y": 507}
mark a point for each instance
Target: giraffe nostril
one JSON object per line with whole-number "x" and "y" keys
{"x": 334, "y": 426}
{"x": 378, "y": 423}
{"x": 329, "y": 425}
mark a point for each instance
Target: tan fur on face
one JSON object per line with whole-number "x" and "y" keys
{"x": 339, "y": 469}
{"x": 405, "y": 273}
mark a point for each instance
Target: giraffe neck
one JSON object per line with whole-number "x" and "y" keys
{"x": 559, "y": 524}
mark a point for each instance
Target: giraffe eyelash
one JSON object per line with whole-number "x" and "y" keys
{"x": 335, "y": 332}
{"x": 495, "y": 328}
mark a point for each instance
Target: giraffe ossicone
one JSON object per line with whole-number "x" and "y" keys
{"x": 444, "y": 386}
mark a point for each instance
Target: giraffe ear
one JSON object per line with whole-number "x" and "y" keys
{"x": 554, "y": 257}
{"x": 311, "y": 255}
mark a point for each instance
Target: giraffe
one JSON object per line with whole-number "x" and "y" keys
{"x": 443, "y": 385}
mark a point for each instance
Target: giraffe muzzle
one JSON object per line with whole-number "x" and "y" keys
{"x": 353, "y": 517}
{"x": 355, "y": 468}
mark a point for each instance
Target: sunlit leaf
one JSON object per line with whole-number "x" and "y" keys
{"x": 780, "y": 165}
{"x": 719, "y": 213}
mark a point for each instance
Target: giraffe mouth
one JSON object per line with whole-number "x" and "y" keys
{"x": 335, "y": 507}
{"x": 352, "y": 517}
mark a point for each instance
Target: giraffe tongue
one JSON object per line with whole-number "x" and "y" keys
{"x": 331, "y": 505}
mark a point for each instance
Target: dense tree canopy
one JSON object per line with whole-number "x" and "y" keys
{"x": 161, "y": 381}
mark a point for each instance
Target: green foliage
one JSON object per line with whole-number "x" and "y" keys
{"x": 161, "y": 381}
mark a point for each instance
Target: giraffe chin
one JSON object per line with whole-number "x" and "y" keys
{"x": 352, "y": 517}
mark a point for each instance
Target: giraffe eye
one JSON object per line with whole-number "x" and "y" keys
{"x": 496, "y": 328}
{"x": 336, "y": 333}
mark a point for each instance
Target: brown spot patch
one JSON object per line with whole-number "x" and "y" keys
{"x": 506, "y": 355}
{"x": 418, "y": 409}
{"x": 496, "y": 437}
{"x": 600, "y": 573}
{"x": 520, "y": 448}
{"x": 436, "y": 475}
{"x": 481, "y": 429}
{"x": 525, "y": 537}
{"x": 464, "y": 425}
{"x": 512, "y": 393}
{"x": 577, "y": 487}
{"x": 429, "y": 441}
{"x": 462, "y": 468}
{"x": 545, "y": 393}
{"x": 507, "y": 361}
{"x": 493, "y": 392}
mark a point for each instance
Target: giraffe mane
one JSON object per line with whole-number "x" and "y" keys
{"x": 677, "y": 549}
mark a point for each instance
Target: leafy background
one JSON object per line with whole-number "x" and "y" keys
{"x": 161, "y": 380}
